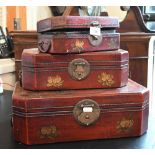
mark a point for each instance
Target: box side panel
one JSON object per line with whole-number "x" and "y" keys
{"x": 29, "y": 79}
{"x": 144, "y": 120}
{"x": 20, "y": 129}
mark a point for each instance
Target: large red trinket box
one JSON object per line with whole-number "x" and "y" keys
{"x": 57, "y": 116}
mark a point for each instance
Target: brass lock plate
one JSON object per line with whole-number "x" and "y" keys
{"x": 86, "y": 112}
{"x": 95, "y": 40}
{"x": 79, "y": 69}
{"x": 44, "y": 45}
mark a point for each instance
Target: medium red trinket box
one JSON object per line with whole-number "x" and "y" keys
{"x": 42, "y": 71}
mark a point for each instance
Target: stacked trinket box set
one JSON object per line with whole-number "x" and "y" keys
{"x": 75, "y": 86}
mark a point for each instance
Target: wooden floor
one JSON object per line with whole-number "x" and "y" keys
{"x": 7, "y": 141}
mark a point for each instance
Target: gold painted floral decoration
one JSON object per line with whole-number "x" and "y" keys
{"x": 125, "y": 124}
{"x": 48, "y": 132}
{"x": 78, "y": 45}
{"x": 54, "y": 81}
{"x": 106, "y": 79}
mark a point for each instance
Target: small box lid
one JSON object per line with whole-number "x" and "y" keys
{"x": 72, "y": 22}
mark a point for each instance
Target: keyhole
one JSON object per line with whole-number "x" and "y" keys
{"x": 87, "y": 116}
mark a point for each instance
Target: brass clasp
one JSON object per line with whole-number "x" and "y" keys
{"x": 86, "y": 112}
{"x": 79, "y": 69}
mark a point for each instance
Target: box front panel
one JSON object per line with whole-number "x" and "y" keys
{"x": 60, "y": 128}
{"x": 78, "y": 77}
{"x": 78, "y": 44}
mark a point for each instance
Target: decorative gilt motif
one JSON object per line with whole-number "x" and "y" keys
{"x": 48, "y": 132}
{"x": 77, "y": 46}
{"x": 112, "y": 43}
{"x": 55, "y": 81}
{"x": 106, "y": 79}
{"x": 125, "y": 125}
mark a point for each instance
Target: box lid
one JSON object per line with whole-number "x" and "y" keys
{"x": 131, "y": 97}
{"x": 81, "y": 22}
{"x": 34, "y": 59}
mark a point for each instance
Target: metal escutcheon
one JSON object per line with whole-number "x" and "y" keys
{"x": 44, "y": 45}
{"x": 79, "y": 69}
{"x": 86, "y": 112}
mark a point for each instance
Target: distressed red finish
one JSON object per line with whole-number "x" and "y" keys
{"x": 46, "y": 117}
{"x": 74, "y": 71}
{"x": 78, "y": 34}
